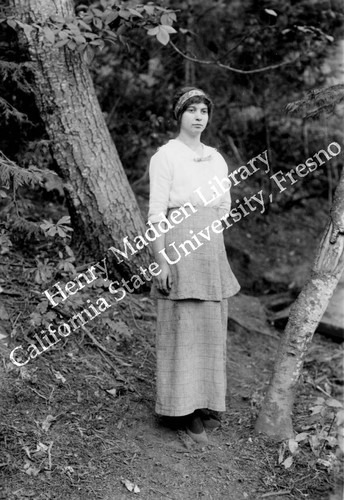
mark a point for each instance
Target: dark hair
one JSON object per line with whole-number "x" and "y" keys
{"x": 193, "y": 100}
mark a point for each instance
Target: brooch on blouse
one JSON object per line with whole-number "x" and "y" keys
{"x": 204, "y": 158}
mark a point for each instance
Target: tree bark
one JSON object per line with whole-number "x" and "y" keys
{"x": 102, "y": 204}
{"x": 275, "y": 417}
{"x": 190, "y": 69}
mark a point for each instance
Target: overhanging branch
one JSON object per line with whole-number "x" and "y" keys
{"x": 231, "y": 68}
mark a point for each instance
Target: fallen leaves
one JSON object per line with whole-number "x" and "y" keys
{"x": 130, "y": 486}
{"x": 49, "y": 419}
{"x": 30, "y": 469}
{"x": 60, "y": 377}
{"x": 113, "y": 392}
{"x": 42, "y": 453}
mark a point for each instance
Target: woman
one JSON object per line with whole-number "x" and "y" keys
{"x": 195, "y": 278}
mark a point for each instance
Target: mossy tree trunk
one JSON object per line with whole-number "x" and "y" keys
{"x": 275, "y": 417}
{"x": 101, "y": 202}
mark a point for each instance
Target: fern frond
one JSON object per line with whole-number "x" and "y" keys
{"x": 8, "y": 111}
{"x": 10, "y": 171}
{"x": 28, "y": 227}
{"x": 7, "y": 68}
{"x": 317, "y": 101}
{"x": 18, "y": 73}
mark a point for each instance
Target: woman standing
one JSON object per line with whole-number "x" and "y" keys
{"x": 194, "y": 283}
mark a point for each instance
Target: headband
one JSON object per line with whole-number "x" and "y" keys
{"x": 182, "y": 99}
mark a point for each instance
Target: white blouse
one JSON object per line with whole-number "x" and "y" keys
{"x": 178, "y": 175}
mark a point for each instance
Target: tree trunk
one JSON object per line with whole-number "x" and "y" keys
{"x": 189, "y": 66}
{"x": 101, "y": 202}
{"x": 275, "y": 417}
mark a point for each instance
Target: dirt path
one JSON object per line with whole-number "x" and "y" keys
{"x": 66, "y": 437}
{"x": 78, "y": 422}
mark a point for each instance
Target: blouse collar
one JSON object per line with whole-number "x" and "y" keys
{"x": 207, "y": 150}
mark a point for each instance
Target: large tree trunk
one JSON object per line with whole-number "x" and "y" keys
{"x": 275, "y": 418}
{"x": 101, "y": 202}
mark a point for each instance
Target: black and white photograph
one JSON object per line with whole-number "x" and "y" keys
{"x": 171, "y": 250}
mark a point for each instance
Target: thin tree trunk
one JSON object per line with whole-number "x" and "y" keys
{"x": 190, "y": 69}
{"x": 275, "y": 417}
{"x": 101, "y": 202}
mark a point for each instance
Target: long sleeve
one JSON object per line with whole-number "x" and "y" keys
{"x": 177, "y": 176}
{"x": 160, "y": 178}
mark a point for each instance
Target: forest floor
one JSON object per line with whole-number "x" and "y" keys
{"x": 78, "y": 422}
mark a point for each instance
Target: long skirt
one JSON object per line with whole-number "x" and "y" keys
{"x": 191, "y": 356}
{"x": 192, "y": 321}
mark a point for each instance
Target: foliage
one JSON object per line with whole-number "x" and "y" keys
{"x": 103, "y": 21}
{"x": 249, "y": 109}
{"x": 12, "y": 177}
{"x": 61, "y": 228}
{"x": 15, "y": 81}
{"x": 8, "y": 111}
{"x": 326, "y": 438}
{"x": 19, "y": 117}
{"x": 136, "y": 77}
{"x": 16, "y": 73}
{"x": 318, "y": 101}
{"x": 5, "y": 242}
{"x": 22, "y": 169}
{"x": 252, "y": 106}
{"x": 60, "y": 233}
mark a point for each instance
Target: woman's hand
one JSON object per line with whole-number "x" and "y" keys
{"x": 164, "y": 279}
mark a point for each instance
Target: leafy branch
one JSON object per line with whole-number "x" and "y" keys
{"x": 11, "y": 173}
{"x": 316, "y": 102}
{"x": 106, "y": 21}
{"x": 11, "y": 178}
{"x": 17, "y": 73}
{"x": 8, "y": 111}
{"x": 307, "y": 31}
{"x": 110, "y": 21}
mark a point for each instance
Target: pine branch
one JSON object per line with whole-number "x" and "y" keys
{"x": 17, "y": 73}
{"x": 10, "y": 171}
{"x": 317, "y": 101}
{"x": 8, "y": 111}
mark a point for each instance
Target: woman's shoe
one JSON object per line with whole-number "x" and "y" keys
{"x": 195, "y": 429}
{"x": 210, "y": 419}
{"x": 174, "y": 423}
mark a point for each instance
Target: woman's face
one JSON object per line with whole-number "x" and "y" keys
{"x": 194, "y": 119}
